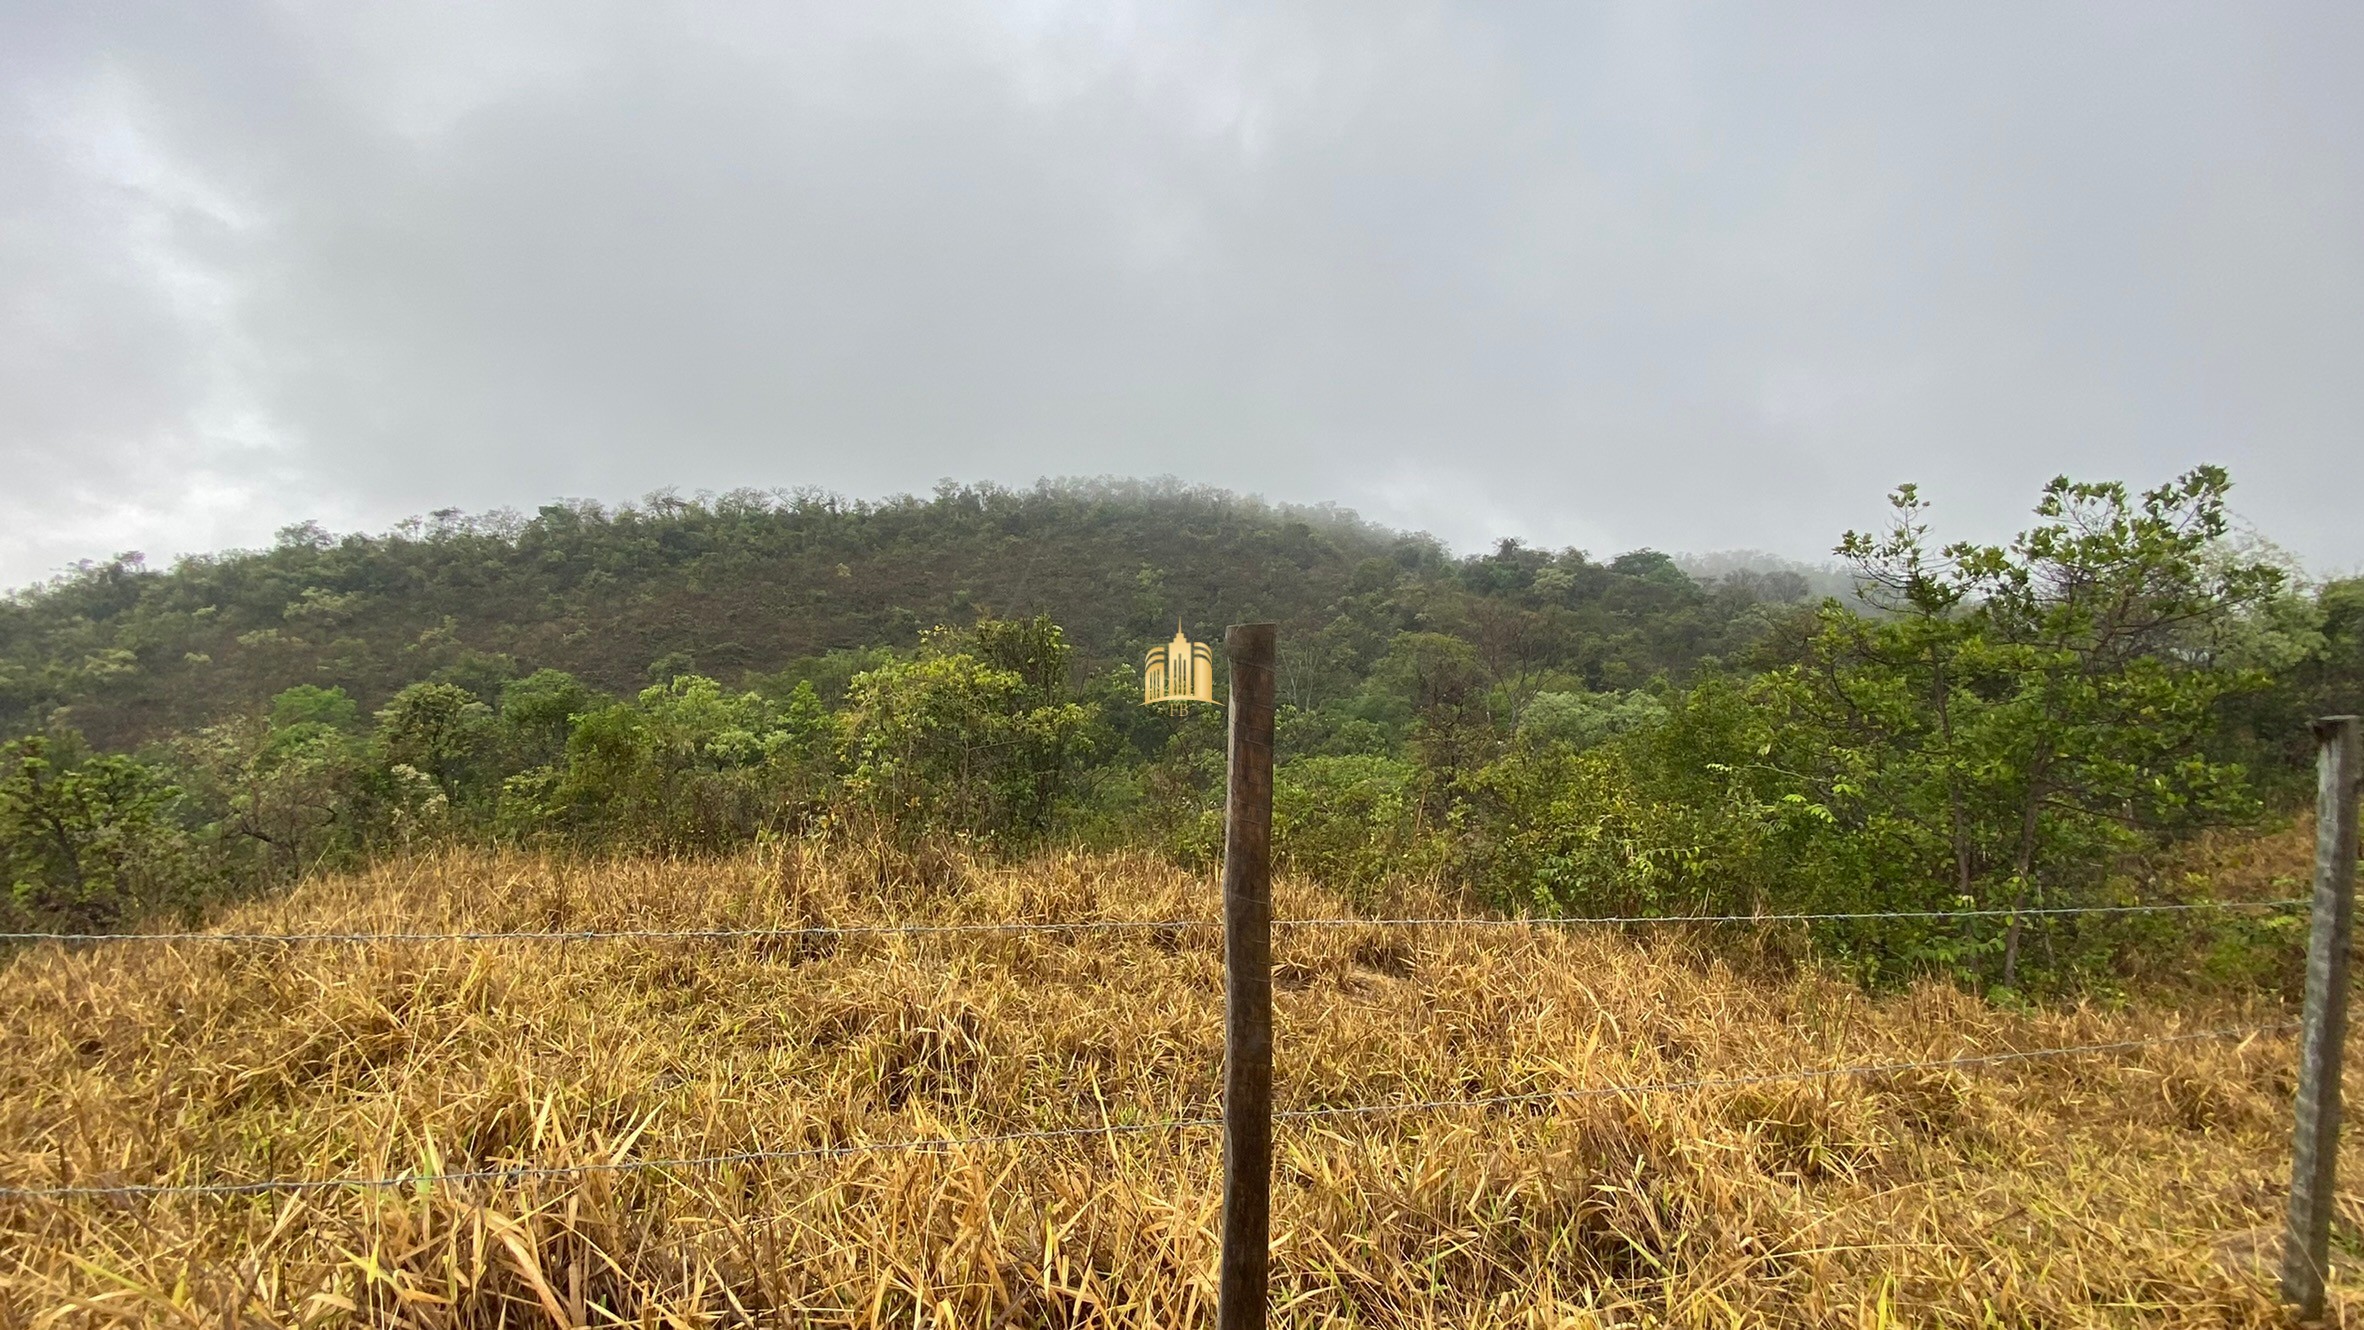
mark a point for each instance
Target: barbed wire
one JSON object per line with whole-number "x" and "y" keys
{"x": 936, "y": 1145}
{"x": 1552, "y": 921}
{"x": 857, "y": 931}
{"x": 780, "y": 933}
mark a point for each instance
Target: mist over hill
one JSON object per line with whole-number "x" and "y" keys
{"x": 1776, "y": 576}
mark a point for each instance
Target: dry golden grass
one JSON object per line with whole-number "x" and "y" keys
{"x": 2097, "y": 1190}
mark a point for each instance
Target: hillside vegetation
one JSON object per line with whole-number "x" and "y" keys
{"x": 743, "y": 586}
{"x": 2101, "y": 1189}
{"x": 1984, "y": 730}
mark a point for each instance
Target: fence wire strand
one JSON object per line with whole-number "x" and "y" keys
{"x": 1552, "y": 921}
{"x": 934, "y": 1145}
{"x": 858, "y": 931}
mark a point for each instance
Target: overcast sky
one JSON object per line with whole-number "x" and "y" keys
{"x": 1695, "y": 277}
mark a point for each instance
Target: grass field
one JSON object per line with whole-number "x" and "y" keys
{"x": 2104, "y": 1189}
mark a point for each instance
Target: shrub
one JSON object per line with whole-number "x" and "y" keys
{"x": 86, "y": 841}
{"x": 1350, "y": 822}
{"x": 686, "y": 765}
{"x": 950, "y": 745}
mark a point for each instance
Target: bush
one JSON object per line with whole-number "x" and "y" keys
{"x": 277, "y": 800}
{"x": 88, "y": 841}
{"x": 1682, "y": 815}
{"x": 1351, "y": 822}
{"x": 686, "y": 765}
{"x": 951, "y": 745}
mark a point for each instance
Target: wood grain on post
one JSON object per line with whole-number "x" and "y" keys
{"x": 1247, "y": 984}
{"x": 2306, "y": 1248}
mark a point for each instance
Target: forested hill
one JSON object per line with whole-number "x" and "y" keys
{"x": 1992, "y": 727}
{"x": 763, "y": 588}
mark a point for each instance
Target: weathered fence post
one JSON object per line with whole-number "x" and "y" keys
{"x": 1247, "y": 984}
{"x": 2306, "y": 1249}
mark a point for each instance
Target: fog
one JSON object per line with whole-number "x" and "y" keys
{"x": 1695, "y": 277}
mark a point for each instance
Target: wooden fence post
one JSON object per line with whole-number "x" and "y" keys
{"x": 1242, "y": 1300}
{"x": 2307, "y": 1247}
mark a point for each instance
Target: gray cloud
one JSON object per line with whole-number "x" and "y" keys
{"x": 1699, "y": 278}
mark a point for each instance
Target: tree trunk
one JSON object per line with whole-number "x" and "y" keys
{"x": 2023, "y": 880}
{"x": 1953, "y": 786}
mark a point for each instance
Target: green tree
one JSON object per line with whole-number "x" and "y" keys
{"x": 2038, "y": 707}
{"x": 311, "y": 705}
{"x": 538, "y": 711}
{"x": 954, "y": 744}
{"x": 1035, "y": 649}
{"x": 441, "y": 731}
{"x": 86, "y": 842}
{"x": 282, "y": 794}
{"x": 1434, "y": 687}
